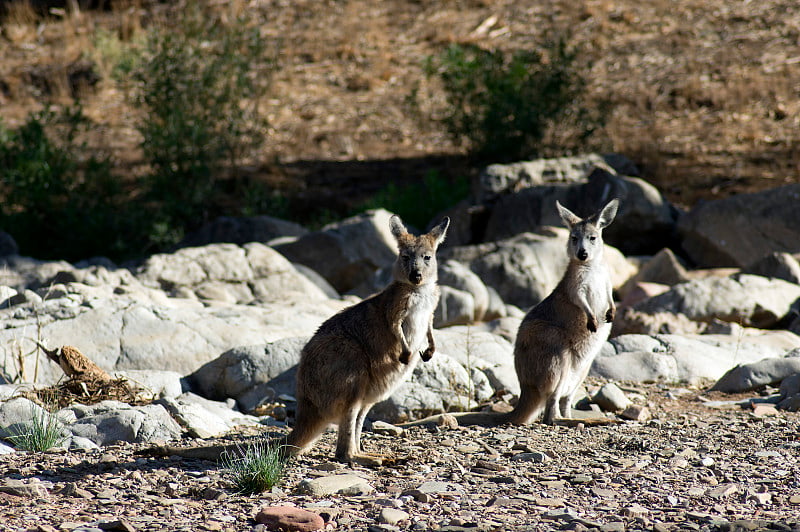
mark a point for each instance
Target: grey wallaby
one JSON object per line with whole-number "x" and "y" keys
{"x": 359, "y": 356}
{"x": 559, "y": 338}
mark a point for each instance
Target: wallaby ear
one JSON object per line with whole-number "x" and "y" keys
{"x": 569, "y": 217}
{"x": 440, "y": 231}
{"x": 607, "y": 214}
{"x": 397, "y": 227}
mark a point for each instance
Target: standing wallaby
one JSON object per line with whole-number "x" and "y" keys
{"x": 559, "y": 338}
{"x": 360, "y": 355}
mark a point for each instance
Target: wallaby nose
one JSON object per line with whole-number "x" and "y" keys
{"x": 415, "y": 277}
{"x": 582, "y": 254}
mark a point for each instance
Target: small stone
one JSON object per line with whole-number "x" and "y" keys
{"x": 762, "y": 499}
{"x": 565, "y": 514}
{"x": 723, "y": 490}
{"x": 635, "y": 511}
{"x": 289, "y": 519}
{"x": 614, "y": 526}
{"x": 764, "y": 409}
{"x": 118, "y": 525}
{"x": 448, "y": 421}
{"x": 535, "y": 457}
{"x": 580, "y": 479}
{"x": 332, "y": 484}
{"x": 392, "y": 516}
{"x": 19, "y": 488}
{"x": 610, "y": 398}
{"x": 381, "y": 427}
{"x": 707, "y": 461}
{"x": 794, "y": 499}
{"x": 436, "y": 486}
{"x": 636, "y": 413}
{"x": 418, "y": 496}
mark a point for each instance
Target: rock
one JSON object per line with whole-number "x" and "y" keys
{"x": 631, "y": 321}
{"x": 525, "y": 268}
{"x": 458, "y": 276}
{"x": 381, "y": 427}
{"x": 498, "y": 179}
{"x": 742, "y": 228}
{"x": 24, "y": 272}
{"x": 238, "y": 372}
{"x": 392, "y": 516}
{"x": 752, "y": 376}
{"x": 241, "y": 230}
{"x": 154, "y": 383}
{"x": 347, "y": 484}
{"x": 347, "y": 252}
{"x": 746, "y": 299}
{"x": 438, "y": 486}
{"x": 636, "y": 413}
{"x": 777, "y": 265}
{"x": 764, "y": 410}
{"x": 456, "y": 307}
{"x": 8, "y": 246}
{"x": 790, "y": 386}
{"x": 641, "y": 358}
{"x": 18, "y": 414}
{"x": 289, "y": 519}
{"x": 610, "y": 398}
{"x": 436, "y": 386}
{"x": 203, "y": 418}
{"x": 644, "y": 217}
{"x": 31, "y": 490}
{"x": 229, "y": 273}
{"x": 108, "y": 422}
{"x": 663, "y": 268}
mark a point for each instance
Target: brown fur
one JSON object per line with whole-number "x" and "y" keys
{"x": 558, "y": 339}
{"x": 358, "y": 356}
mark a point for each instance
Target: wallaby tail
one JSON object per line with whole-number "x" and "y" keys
{"x": 481, "y": 419}
{"x": 309, "y": 425}
{"x": 530, "y": 405}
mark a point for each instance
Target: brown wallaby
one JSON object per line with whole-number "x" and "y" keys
{"x": 559, "y": 338}
{"x": 360, "y": 355}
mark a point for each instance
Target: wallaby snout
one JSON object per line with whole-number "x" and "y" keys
{"x": 582, "y": 254}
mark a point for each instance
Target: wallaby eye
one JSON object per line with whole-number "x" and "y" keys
{"x": 406, "y": 257}
{"x": 574, "y": 239}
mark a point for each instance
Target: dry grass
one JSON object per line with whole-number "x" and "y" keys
{"x": 704, "y": 93}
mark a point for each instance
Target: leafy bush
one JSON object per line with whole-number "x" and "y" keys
{"x": 257, "y": 468}
{"x": 57, "y": 201}
{"x": 199, "y": 85}
{"x": 418, "y": 203}
{"x": 503, "y": 104}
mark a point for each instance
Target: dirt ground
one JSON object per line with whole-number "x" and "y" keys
{"x": 704, "y": 94}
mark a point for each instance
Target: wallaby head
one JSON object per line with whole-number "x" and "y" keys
{"x": 586, "y": 235}
{"x": 416, "y": 262}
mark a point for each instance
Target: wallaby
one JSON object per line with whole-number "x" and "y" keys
{"x": 559, "y": 338}
{"x": 360, "y": 355}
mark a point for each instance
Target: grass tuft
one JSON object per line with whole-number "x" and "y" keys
{"x": 257, "y": 468}
{"x": 41, "y": 434}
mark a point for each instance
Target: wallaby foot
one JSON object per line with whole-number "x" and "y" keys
{"x": 368, "y": 459}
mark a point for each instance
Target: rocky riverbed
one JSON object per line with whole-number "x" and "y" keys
{"x": 703, "y": 461}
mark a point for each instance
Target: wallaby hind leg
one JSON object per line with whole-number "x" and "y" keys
{"x": 309, "y": 425}
{"x": 347, "y": 447}
{"x": 528, "y": 407}
{"x": 362, "y": 416}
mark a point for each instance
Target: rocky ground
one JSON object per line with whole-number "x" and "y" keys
{"x": 689, "y": 467}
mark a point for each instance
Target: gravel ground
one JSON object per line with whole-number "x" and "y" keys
{"x": 689, "y": 467}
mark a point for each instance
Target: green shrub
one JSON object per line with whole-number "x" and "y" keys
{"x": 257, "y": 468}
{"x": 418, "y": 203}
{"x": 503, "y": 104}
{"x": 57, "y": 200}
{"x": 199, "y": 85}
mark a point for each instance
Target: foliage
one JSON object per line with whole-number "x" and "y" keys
{"x": 418, "y": 203}
{"x": 257, "y": 468}
{"x": 42, "y": 433}
{"x": 54, "y": 195}
{"x": 503, "y": 104}
{"x": 199, "y": 84}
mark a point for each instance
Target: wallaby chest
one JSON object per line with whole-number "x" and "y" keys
{"x": 592, "y": 284}
{"x": 421, "y": 304}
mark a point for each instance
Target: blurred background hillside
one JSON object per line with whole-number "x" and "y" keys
{"x": 127, "y": 123}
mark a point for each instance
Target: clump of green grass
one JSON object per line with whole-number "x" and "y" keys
{"x": 257, "y": 468}
{"x": 41, "y": 433}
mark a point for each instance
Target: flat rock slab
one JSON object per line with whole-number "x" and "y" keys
{"x": 346, "y": 484}
{"x": 289, "y": 519}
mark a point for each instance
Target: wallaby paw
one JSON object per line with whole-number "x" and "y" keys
{"x": 610, "y": 314}
{"x": 591, "y": 324}
{"x": 369, "y": 459}
{"x": 427, "y": 354}
{"x": 405, "y": 357}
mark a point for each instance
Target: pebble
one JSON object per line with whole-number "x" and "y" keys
{"x": 289, "y": 519}
{"x": 346, "y": 484}
{"x": 392, "y": 516}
